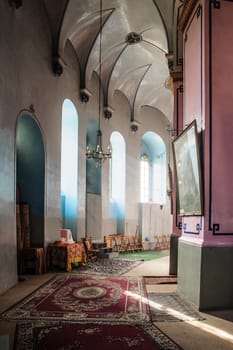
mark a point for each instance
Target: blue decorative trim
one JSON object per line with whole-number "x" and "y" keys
{"x": 198, "y": 228}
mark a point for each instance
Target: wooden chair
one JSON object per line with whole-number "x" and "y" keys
{"x": 109, "y": 241}
{"x": 131, "y": 243}
{"x": 117, "y": 243}
{"x": 138, "y": 243}
{"x": 33, "y": 260}
{"x": 92, "y": 253}
{"x": 121, "y": 244}
{"x": 124, "y": 244}
{"x": 159, "y": 242}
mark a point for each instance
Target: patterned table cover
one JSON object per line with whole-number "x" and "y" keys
{"x": 63, "y": 255}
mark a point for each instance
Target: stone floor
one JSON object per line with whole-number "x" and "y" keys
{"x": 213, "y": 333}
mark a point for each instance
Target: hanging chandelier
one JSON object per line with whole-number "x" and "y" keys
{"x": 97, "y": 153}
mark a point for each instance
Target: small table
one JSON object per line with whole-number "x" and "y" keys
{"x": 64, "y": 254}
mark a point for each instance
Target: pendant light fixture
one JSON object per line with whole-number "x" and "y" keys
{"x": 97, "y": 153}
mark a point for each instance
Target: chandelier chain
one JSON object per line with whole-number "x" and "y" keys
{"x": 97, "y": 153}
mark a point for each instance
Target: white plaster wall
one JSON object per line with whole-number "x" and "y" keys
{"x": 151, "y": 120}
{"x": 154, "y": 220}
{"x": 94, "y": 217}
{"x": 26, "y": 78}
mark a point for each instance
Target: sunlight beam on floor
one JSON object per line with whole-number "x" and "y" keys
{"x": 189, "y": 320}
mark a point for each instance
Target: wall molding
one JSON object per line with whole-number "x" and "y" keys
{"x": 197, "y": 14}
{"x": 186, "y": 14}
{"x": 213, "y": 226}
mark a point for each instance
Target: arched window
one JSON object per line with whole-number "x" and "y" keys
{"x": 69, "y": 167}
{"x": 145, "y": 177}
{"x": 117, "y": 180}
{"x": 153, "y": 169}
{"x": 159, "y": 178}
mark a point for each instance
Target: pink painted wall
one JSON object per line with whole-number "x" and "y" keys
{"x": 193, "y": 97}
{"x": 208, "y": 98}
{"x": 221, "y": 107}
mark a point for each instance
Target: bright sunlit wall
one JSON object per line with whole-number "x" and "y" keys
{"x": 153, "y": 169}
{"x": 117, "y": 180}
{"x": 69, "y": 167}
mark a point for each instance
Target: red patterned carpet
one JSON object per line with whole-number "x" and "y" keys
{"x": 87, "y": 312}
{"x": 85, "y": 298}
{"x": 74, "y": 336}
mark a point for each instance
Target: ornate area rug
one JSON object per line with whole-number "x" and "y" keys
{"x": 85, "y": 298}
{"x": 143, "y": 256}
{"x": 72, "y": 336}
{"x": 171, "y": 307}
{"x": 160, "y": 279}
{"x": 107, "y": 267}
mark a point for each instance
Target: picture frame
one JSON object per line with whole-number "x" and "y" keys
{"x": 186, "y": 152}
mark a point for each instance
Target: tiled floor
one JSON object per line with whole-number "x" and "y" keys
{"x": 215, "y": 332}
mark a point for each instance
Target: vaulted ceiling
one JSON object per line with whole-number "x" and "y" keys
{"x": 136, "y": 42}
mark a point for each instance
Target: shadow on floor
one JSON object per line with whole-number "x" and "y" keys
{"x": 226, "y": 314}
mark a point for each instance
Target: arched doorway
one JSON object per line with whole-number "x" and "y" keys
{"x": 30, "y": 182}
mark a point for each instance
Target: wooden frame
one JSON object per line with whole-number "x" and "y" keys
{"x": 188, "y": 172}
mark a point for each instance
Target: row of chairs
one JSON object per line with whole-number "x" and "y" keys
{"x": 162, "y": 242}
{"x": 118, "y": 243}
{"x": 123, "y": 244}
